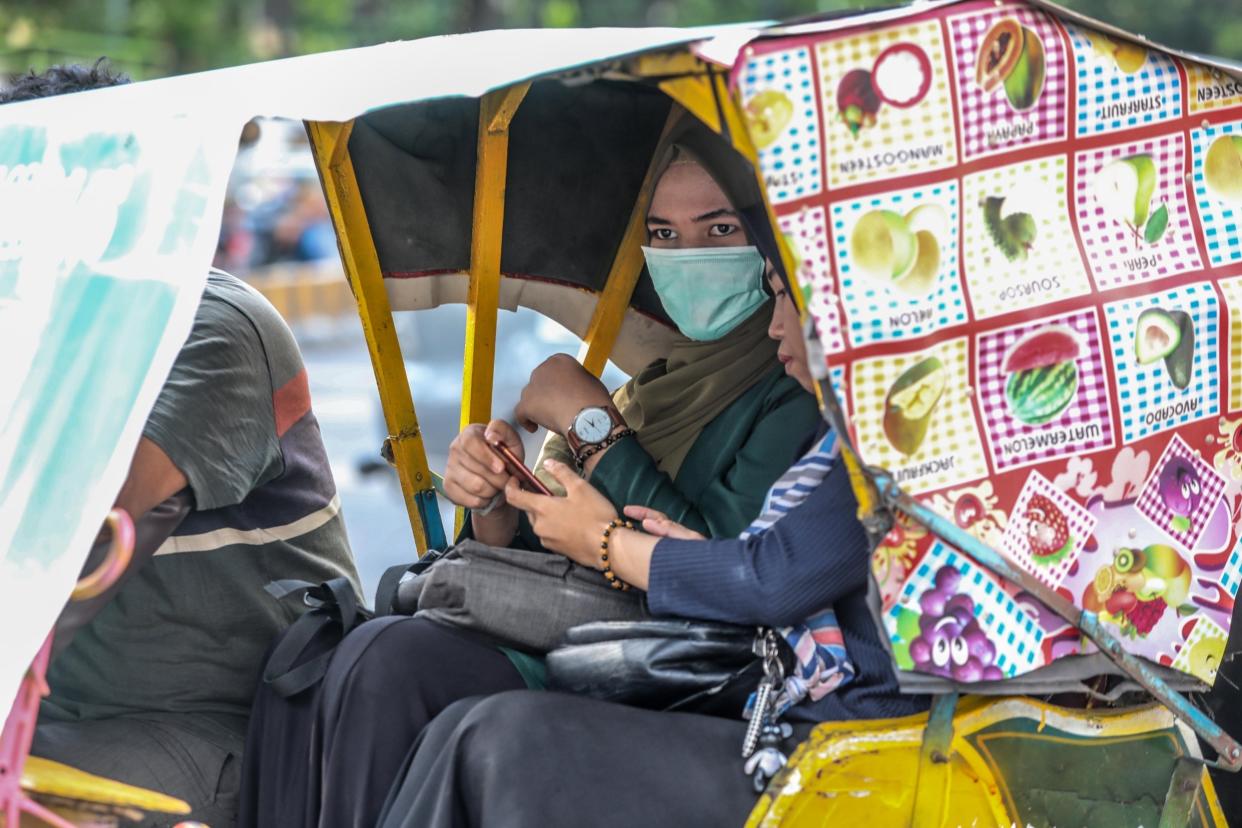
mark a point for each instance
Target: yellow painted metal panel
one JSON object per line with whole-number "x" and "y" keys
{"x": 1215, "y": 815}
{"x": 867, "y": 772}
{"x": 694, "y": 93}
{"x": 661, "y": 65}
{"x": 935, "y": 768}
{"x": 627, "y": 266}
{"x": 43, "y": 776}
{"x": 362, "y": 268}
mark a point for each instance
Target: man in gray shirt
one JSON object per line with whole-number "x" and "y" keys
{"x": 155, "y": 689}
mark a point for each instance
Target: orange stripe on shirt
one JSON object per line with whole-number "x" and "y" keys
{"x": 291, "y": 402}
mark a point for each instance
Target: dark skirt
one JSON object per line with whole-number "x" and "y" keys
{"x": 545, "y": 759}
{"x": 329, "y": 755}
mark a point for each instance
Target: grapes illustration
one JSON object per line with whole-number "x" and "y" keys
{"x": 951, "y": 643}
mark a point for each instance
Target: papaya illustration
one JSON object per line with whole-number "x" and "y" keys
{"x": 1012, "y": 56}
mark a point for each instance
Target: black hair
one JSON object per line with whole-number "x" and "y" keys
{"x": 61, "y": 80}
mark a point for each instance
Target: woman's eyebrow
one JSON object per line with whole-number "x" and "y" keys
{"x": 714, "y": 214}
{"x": 658, "y": 220}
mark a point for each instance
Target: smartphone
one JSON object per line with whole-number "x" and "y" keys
{"x": 515, "y": 467}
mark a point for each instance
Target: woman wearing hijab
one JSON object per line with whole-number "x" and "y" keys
{"x": 520, "y": 759}
{"x": 699, "y": 436}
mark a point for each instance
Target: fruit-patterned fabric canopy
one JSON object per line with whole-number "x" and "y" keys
{"x": 1019, "y": 242}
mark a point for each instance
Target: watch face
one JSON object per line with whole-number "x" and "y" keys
{"x": 592, "y": 425}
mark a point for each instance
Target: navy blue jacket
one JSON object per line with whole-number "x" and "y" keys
{"x": 816, "y": 555}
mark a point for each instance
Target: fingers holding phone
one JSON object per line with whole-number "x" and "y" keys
{"x": 475, "y": 474}
{"x": 525, "y": 477}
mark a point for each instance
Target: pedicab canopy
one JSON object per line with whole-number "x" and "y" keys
{"x": 1018, "y": 239}
{"x": 1016, "y": 232}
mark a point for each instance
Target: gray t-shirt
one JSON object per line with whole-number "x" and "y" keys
{"x": 188, "y": 632}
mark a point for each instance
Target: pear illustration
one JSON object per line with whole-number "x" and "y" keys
{"x": 1124, "y": 189}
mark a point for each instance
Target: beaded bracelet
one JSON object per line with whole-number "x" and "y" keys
{"x": 616, "y": 582}
{"x": 595, "y": 448}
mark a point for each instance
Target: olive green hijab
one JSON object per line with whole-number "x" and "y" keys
{"x": 672, "y": 400}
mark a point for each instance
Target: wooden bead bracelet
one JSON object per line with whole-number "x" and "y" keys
{"x": 616, "y": 582}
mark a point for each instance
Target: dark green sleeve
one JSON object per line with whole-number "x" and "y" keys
{"x": 214, "y": 416}
{"x": 628, "y": 476}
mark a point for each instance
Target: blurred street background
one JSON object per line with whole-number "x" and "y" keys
{"x": 276, "y": 232}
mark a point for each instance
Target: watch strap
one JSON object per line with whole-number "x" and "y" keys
{"x": 576, "y": 443}
{"x": 592, "y": 449}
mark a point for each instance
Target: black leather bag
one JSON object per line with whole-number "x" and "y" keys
{"x": 661, "y": 664}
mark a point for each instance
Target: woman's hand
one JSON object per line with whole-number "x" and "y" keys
{"x": 661, "y": 525}
{"x": 558, "y": 389}
{"x": 571, "y": 525}
{"x": 475, "y": 475}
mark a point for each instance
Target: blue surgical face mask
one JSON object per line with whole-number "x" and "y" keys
{"x": 707, "y": 291}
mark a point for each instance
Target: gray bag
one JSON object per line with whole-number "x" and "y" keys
{"x": 527, "y": 599}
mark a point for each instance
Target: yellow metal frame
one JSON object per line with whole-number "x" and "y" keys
{"x": 627, "y": 266}
{"x": 330, "y": 142}
{"x": 861, "y": 772}
{"x": 491, "y": 171}
{"x": 496, "y": 111}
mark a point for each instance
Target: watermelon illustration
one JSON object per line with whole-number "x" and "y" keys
{"x": 1046, "y": 346}
{"x": 1043, "y": 374}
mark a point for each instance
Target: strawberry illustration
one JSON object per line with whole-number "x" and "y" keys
{"x": 1047, "y": 531}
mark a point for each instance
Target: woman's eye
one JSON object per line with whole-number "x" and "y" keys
{"x": 722, "y": 230}
{"x": 663, "y": 233}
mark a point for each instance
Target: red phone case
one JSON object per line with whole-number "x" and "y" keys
{"x": 516, "y": 468}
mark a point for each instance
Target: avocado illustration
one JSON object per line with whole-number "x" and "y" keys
{"x": 1168, "y": 335}
{"x": 910, "y": 403}
{"x": 1156, "y": 335}
{"x": 1180, "y": 361}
